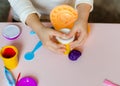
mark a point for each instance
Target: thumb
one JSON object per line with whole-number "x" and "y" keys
{"x": 59, "y": 34}
{"x": 71, "y": 33}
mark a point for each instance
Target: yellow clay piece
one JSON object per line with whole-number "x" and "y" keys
{"x": 67, "y": 49}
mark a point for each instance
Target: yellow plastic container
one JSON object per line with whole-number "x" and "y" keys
{"x": 9, "y": 55}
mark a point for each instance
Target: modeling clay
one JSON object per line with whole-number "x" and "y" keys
{"x": 74, "y": 55}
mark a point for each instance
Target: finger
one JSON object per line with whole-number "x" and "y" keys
{"x": 61, "y": 51}
{"x": 83, "y": 42}
{"x": 56, "y": 45}
{"x": 59, "y": 48}
{"x": 58, "y": 51}
{"x": 71, "y": 33}
{"x": 79, "y": 42}
{"x": 79, "y": 48}
{"x": 59, "y": 34}
{"x": 74, "y": 44}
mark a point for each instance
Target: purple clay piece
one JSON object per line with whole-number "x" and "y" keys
{"x": 74, "y": 55}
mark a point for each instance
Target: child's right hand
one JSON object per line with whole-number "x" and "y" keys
{"x": 47, "y": 36}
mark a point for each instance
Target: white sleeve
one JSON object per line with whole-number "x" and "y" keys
{"x": 90, "y": 2}
{"x": 23, "y": 8}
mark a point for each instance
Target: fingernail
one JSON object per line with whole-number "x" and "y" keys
{"x": 71, "y": 48}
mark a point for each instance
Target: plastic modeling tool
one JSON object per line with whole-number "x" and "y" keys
{"x": 30, "y": 55}
{"x": 109, "y": 83}
{"x": 9, "y": 77}
{"x": 18, "y": 78}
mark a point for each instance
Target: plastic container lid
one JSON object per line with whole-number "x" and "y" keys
{"x": 11, "y": 32}
{"x": 65, "y": 41}
{"x": 27, "y": 81}
{"x": 63, "y": 16}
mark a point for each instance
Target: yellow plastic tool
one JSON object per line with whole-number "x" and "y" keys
{"x": 9, "y": 55}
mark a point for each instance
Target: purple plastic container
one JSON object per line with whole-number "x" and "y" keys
{"x": 27, "y": 81}
{"x": 11, "y": 32}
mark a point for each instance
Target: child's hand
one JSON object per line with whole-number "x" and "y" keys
{"x": 47, "y": 36}
{"x": 80, "y": 32}
{"x": 81, "y": 26}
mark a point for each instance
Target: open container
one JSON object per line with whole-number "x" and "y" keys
{"x": 9, "y": 55}
{"x": 11, "y": 32}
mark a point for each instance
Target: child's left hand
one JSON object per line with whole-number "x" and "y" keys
{"x": 80, "y": 32}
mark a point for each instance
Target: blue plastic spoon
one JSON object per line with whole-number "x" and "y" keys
{"x": 30, "y": 55}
